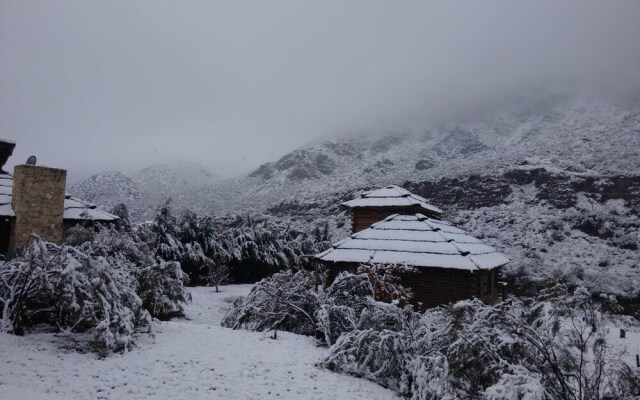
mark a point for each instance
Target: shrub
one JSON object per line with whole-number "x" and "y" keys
{"x": 161, "y": 288}
{"x": 288, "y": 301}
{"x": 72, "y": 291}
{"x": 283, "y": 302}
{"x": 552, "y": 347}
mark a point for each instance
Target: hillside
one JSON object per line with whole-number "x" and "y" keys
{"x": 574, "y": 135}
{"x": 552, "y": 183}
{"x": 144, "y": 191}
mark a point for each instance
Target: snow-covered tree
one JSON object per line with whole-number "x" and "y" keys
{"x": 387, "y": 284}
{"x": 161, "y": 288}
{"x": 284, "y": 301}
{"x": 122, "y": 212}
{"x": 73, "y": 291}
{"x": 552, "y": 347}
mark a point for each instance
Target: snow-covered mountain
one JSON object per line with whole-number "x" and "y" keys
{"x": 573, "y": 135}
{"x": 108, "y": 188}
{"x": 146, "y": 189}
{"x": 553, "y": 183}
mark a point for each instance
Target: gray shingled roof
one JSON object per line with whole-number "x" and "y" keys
{"x": 391, "y": 196}
{"x": 417, "y": 241}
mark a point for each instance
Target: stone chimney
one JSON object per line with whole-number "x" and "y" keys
{"x": 38, "y": 202}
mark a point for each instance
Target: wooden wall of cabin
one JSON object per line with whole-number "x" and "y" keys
{"x": 488, "y": 287}
{"x": 6, "y": 227}
{"x": 437, "y": 286}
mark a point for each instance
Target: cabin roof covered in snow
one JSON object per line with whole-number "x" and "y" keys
{"x": 74, "y": 209}
{"x": 417, "y": 241}
{"x": 391, "y": 196}
{"x": 78, "y": 209}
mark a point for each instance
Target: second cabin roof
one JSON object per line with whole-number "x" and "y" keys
{"x": 391, "y": 196}
{"x": 418, "y": 241}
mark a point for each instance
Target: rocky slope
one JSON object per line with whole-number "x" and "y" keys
{"x": 553, "y": 183}
{"x": 144, "y": 191}
{"x": 579, "y": 136}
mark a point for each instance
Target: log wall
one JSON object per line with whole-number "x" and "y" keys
{"x": 437, "y": 286}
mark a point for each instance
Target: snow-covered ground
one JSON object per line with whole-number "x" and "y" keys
{"x": 189, "y": 359}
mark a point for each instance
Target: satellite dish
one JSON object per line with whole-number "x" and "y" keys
{"x": 31, "y": 160}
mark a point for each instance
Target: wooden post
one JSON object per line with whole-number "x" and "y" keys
{"x": 623, "y": 334}
{"x": 638, "y": 360}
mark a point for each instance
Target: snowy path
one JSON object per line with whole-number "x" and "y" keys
{"x": 190, "y": 359}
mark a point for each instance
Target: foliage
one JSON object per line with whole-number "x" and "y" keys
{"x": 161, "y": 288}
{"x": 284, "y": 301}
{"x": 211, "y": 254}
{"x": 107, "y": 282}
{"x": 72, "y": 291}
{"x": 288, "y": 301}
{"x": 386, "y": 281}
{"x": 552, "y": 347}
{"x": 122, "y": 212}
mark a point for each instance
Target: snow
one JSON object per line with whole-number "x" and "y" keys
{"x": 78, "y": 209}
{"x": 397, "y": 234}
{"x": 74, "y": 209}
{"x": 400, "y": 245}
{"x": 391, "y": 196}
{"x": 489, "y": 261}
{"x": 417, "y": 241}
{"x": 6, "y": 210}
{"x": 628, "y": 347}
{"x": 191, "y": 358}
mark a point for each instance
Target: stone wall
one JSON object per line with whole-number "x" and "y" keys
{"x": 38, "y": 202}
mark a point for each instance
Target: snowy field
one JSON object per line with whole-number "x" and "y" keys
{"x": 189, "y": 359}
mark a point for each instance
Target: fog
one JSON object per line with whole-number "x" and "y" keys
{"x": 124, "y": 84}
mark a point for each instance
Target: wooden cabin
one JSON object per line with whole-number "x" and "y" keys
{"x": 33, "y": 200}
{"x": 376, "y": 205}
{"x": 450, "y": 264}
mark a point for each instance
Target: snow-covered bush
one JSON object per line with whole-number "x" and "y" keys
{"x": 386, "y": 281}
{"x": 552, "y": 347}
{"x": 160, "y": 284}
{"x": 285, "y": 301}
{"x": 72, "y": 291}
{"x": 218, "y": 275}
{"x": 212, "y": 254}
{"x": 24, "y": 283}
{"x": 123, "y": 222}
{"x": 161, "y": 288}
{"x": 289, "y": 301}
{"x": 354, "y": 354}
{"x": 342, "y": 305}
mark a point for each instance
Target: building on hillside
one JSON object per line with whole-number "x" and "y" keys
{"x": 33, "y": 200}
{"x": 376, "y": 205}
{"x": 449, "y": 264}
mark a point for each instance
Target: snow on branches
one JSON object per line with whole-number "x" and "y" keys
{"x": 549, "y": 347}
{"x": 72, "y": 291}
{"x": 110, "y": 286}
{"x": 544, "y": 348}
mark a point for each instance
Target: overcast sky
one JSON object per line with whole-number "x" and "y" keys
{"x": 89, "y": 85}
